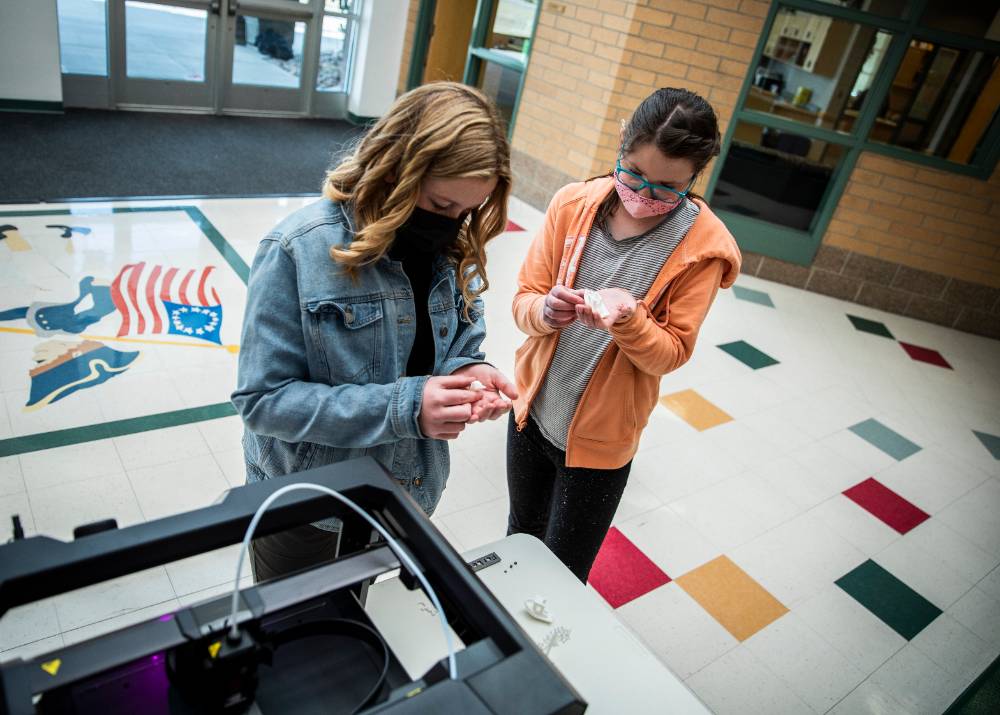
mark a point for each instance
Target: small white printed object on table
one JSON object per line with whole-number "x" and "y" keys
{"x": 594, "y": 651}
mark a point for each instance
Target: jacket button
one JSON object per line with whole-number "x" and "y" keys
{"x": 443, "y": 332}
{"x": 349, "y": 315}
{"x": 417, "y": 482}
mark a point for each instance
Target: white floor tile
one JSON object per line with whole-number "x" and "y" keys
{"x": 637, "y": 499}
{"x": 233, "y": 464}
{"x": 773, "y": 425}
{"x": 678, "y": 630}
{"x": 735, "y": 511}
{"x": 11, "y": 478}
{"x": 976, "y": 516}
{"x": 222, "y": 434}
{"x": 466, "y": 487}
{"x": 214, "y": 592}
{"x": 114, "y": 598}
{"x": 917, "y": 682}
{"x": 669, "y": 541}
{"x": 857, "y": 634}
{"x": 738, "y": 683}
{"x": 58, "y": 510}
{"x": 990, "y": 584}
{"x": 449, "y": 535}
{"x": 961, "y": 555}
{"x": 180, "y": 486}
{"x": 749, "y": 447}
{"x": 932, "y": 481}
{"x": 673, "y": 471}
{"x": 828, "y": 471}
{"x": 198, "y": 573}
{"x": 797, "y": 559}
{"x": 28, "y": 623}
{"x": 932, "y": 578}
{"x": 109, "y": 625}
{"x": 148, "y": 449}
{"x": 11, "y": 505}
{"x": 33, "y": 649}
{"x": 480, "y": 524}
{"x": 979, "y": 613}
{"x": 809, "y": 665}
{"x": 869, "y": 459}
{"x": 869, "y": 699}
{"x": 955, "y": 648}
{"x": 74, "y": 463}
{"x": 862, "y": 529}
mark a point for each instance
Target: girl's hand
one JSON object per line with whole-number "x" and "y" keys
{"x": 491, "y": 403}
{"x": 560, "y": 306}
{"x": 446, "y": 406}
{"x": 620, "y": 304}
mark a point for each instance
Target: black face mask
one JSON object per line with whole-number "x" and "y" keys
{"x": 428, "y": 232}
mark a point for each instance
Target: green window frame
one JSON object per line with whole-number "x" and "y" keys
{"x": 796, "y": 246}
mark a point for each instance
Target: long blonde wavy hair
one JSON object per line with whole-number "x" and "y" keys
{"x": 440, "y": 130}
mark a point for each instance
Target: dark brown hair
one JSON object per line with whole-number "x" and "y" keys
{"x": 681, "y": 124}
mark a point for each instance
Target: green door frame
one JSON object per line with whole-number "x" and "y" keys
{"x": 477, "y": 53}
{"x": 801, "y": 246}
{"x": 421, "y": 41}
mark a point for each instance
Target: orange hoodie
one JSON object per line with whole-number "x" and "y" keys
{"x": 657, "y": 339}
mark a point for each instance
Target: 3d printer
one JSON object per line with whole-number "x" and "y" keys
{"x": 299, "y": 644}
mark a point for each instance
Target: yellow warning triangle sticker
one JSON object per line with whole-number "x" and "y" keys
{"x": 213, "y": 650}
{"x": 52, "y": 666}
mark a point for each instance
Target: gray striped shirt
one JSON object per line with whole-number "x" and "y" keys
{"x": 631, "y": 264}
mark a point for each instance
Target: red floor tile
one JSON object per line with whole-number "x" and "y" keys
{"x": 925, "y": 355}
{"x": 511, "y": 226}
{"x": 886, "y": 505}
{"x": 622, "y": 572}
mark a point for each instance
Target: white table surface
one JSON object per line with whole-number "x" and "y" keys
{"x": 595, "y": 652}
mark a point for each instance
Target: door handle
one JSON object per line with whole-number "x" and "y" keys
{"x": 214, "y": 7}
{"x": 231, "y": 6}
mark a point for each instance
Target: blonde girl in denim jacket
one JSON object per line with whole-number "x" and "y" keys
{"x": 364, "y": 320}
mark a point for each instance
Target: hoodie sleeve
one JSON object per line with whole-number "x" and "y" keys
{"x": 537, "y": 276}
{"x": 656, "y": 347}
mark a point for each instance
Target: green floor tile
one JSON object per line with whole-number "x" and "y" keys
{"x": 892, "y": 443}
{"x": 748, "y": 354}
{"x": 990, "y": 441}
{"x": 870, "y": 326}
{"x": 754, "y": 296}
{"x": 892, "y": 601}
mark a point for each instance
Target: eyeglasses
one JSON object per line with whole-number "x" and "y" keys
{"x": 637, "y": 183}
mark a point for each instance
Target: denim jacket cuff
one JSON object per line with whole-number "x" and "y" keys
{"x": 405, "y": 408}
{"x": 449, "y": 366}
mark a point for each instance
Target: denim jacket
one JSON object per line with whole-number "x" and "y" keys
{"x": 323, "y": 357}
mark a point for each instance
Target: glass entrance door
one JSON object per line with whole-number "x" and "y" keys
{"x": 266, "y": 48}
{"x": 286, "y": 57}
{"x": 164, "y": 53}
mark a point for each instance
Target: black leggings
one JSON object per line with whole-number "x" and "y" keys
{"x": 568, "y": 508}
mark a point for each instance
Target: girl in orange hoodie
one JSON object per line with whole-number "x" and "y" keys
{"x": 611, "y": 295}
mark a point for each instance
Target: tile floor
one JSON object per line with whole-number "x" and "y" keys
{"x": 813, "y": 518}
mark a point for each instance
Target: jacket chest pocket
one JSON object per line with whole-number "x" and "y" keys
{"x": 348, "y": 337}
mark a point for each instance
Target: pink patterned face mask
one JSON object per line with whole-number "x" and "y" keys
{"x": 639, "y": 206}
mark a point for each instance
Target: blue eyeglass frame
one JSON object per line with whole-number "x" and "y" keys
{"x": 652, "y": 187}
